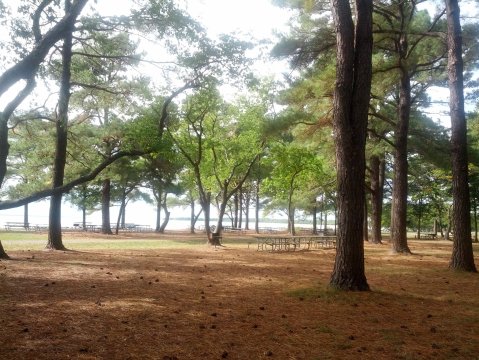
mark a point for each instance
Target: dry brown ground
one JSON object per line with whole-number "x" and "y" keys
{"x": 235, "y": 303}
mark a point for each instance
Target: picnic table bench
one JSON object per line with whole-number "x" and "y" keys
{"x": 9, "y": 225}
{"x": 429, "y": 236}
{"x": 293, "y": 242}
{"x": 233, "y": 229}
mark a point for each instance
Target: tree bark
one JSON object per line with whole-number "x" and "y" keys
{"x": 365, "y": 221}
{"x": 462, "y": 254}
{"x": 105, "y": 207}
{"x": 55, "y": 241}
{"x": 159, "y": 197}
{"x": 167, "y": 215}
{"x": 26, "y": 222}
{"x": 350, "y": 116}
{"x": 3, "y": 254}
{"x": 256, "y": 208}
{"x": 377, "y": 166}
{"x": 400, "y": 188}
{"x": 247, "y": 201}
{"x": 236, "y": 210}
{"x": 26, "y": 69}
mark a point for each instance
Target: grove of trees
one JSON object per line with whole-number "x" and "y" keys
{"x": 347, "y": 131}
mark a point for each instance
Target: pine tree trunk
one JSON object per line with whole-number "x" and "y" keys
{"x": 55, "y": 241}
{"x": 365, "y": 221}
{"x": 246, "y": 212}
{"x": 377, "y": 167}
{"x": 3, "y": 254}
{"x": 400, "y": 186}
{"x": 462, "y": 255}
{"x": 240, "y": 219}
{"x": 26, "y": 222}
{"x": 256, "y": 209}
{"x": 350, "y": 113}
{"x": 105, "y": 207}
{"x": 236, "y": 210}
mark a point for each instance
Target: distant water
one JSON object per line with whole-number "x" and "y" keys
{"x": 136, "y": 213}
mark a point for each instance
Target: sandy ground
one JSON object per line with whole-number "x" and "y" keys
{"x": 235, "y": 303}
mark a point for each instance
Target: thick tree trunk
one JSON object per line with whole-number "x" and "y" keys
{"x": 105, "y": 207}
{"x": 400, "y": 186}
{"x": 462, "y": 255}
{"x": 475, "y": 218}
{"x": 377, "y": 186}
{"x": 365, "y": 221}
{"x": 55, "y": 241}
{"x": 350, "y": 112}
{"x": 3, "y": 254}
{"x": 256, "y": 208}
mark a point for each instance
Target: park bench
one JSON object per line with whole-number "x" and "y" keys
{"x": 9, "y": 225}
{"x": 431, "y": 236}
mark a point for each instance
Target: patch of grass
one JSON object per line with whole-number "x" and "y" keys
{"x": 130, "y": 244}
{"x": 325, "y": 329}
{"x": 30, "y": 241}
{"x": 322, "y": 292}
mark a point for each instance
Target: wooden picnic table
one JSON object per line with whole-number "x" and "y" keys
{"x": 294, "y": 242}
{"x": 9, "y": 225}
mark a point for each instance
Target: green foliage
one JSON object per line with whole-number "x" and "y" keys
{"x": 296, "y": 178}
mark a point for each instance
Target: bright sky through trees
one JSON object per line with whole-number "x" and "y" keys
{"x": 253, "y": 20}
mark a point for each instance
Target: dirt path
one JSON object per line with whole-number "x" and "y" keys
{"x": 234, "y": 303}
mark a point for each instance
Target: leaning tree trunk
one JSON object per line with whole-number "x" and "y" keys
{"x": 167, "y": 215}
{"x": 105, "y": 207}
{"x": 55, "y": 218}
{"x": 350, "y": 116}
{"x": 462, "y": 255}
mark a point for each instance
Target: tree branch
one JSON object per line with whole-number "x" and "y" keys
{"x": 39, "y": 195}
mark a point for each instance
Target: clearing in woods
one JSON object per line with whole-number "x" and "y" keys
{"x": 172, "y": 297}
